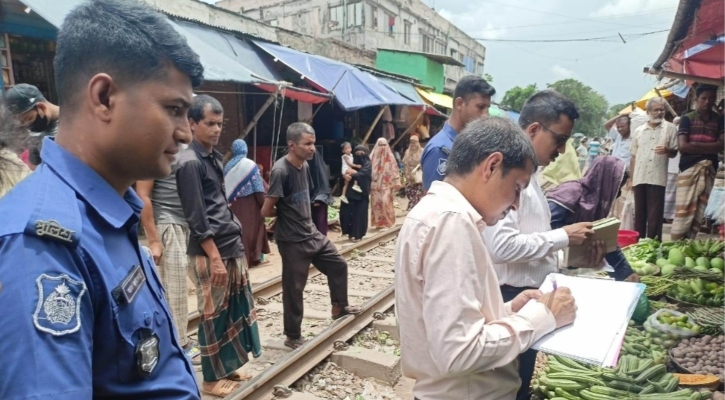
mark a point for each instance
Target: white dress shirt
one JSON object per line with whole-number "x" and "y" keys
{"x": 459, "y": 340}
{"x": 523, "y": 246}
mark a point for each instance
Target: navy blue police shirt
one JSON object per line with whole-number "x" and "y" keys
{"x": 84, "y": 314}
{"x": 435, "y": 155}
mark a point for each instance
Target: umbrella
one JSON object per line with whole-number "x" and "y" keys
{"x": 577, "y": 135}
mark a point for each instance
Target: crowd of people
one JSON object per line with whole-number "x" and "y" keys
{"x": 94, "y": 313}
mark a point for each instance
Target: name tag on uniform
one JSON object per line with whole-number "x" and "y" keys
{"x": 130, "y": 286}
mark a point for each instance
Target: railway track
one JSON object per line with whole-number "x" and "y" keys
{"x": 370, "y": 278}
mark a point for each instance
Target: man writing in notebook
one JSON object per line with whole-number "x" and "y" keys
{"x": 523, "y": 246}
{"x": 459, "y": 339}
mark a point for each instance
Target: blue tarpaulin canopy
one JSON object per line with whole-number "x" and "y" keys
{"x": 217, "y": 66}
{"x": 353, "y": 89}
{"x": 228, "y": 46}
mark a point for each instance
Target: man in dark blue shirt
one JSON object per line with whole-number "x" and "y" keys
{"x": 471, "y": 100}
{"x": 85, "y": 315}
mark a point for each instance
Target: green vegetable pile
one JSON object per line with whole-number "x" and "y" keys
{"x": 680, "y": 322}
{"x": 332, "y": 214}
{"x": 697, "y": 255}
{"x": 644, "y": 345}
{"x": 633, "y": 378}
{"x": 697, "y": 291}
{"x": 711, "y": 320}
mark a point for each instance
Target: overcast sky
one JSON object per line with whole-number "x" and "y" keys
{"x": 611, "y": 67}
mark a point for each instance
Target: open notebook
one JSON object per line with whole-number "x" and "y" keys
{"x": 605, "y": 307}
{"x": 606, "y": 230}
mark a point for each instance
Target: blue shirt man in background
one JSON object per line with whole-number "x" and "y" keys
{"x": 85, "y": 315}
{"x": 471, "y": 100}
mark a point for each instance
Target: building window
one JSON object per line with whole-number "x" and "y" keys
{"x": 374, "y": 18}
{"x": 391, "y": 24}
{"x": 470, "y": 64}
{"x": 354, "y": 14}
{"x": 5, "y": 62}
{"x": 479, "y": 68}
{"x": 454, "y": 54}
{"x": 427, "y": 44}
{"x": 440, "y": 48}
{"x": 336, "y": 17}
{"x": 408, "y": 26}
{"x": 274, "y": 22}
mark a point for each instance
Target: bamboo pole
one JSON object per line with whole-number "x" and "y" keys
{"x": 375, "y": 123}
{"x": 258, "y": 115}
{"x": 413, "y": 125}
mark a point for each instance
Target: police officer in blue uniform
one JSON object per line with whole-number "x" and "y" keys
{"x": 84, "y": 315}
{"x": 471, "y": 100}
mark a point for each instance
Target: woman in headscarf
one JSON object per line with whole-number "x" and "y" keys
{"x": 590, "y": 199}
{"x": 245, "y": 195}
{"x": 411, "y": 161}
{"x": 354, "y": 216}
{"x": 565, "y": 168}
{"x": 319, "y": 192}
{"x": 386, "y": 180}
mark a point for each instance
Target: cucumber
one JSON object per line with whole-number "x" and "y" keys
{"x": 576, "y": 378}
{"x": 628, "y": 387}
{"x": 563, "y": 393}
{"x": 587, "y": 395}
{"x": 651, "y": 372}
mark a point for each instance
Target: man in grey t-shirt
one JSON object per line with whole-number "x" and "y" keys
{"x": 298, "y": 241}
{"x": 165, "y": 225}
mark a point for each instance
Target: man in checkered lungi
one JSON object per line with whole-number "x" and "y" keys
{"x": 217, "y": 264}
{"x": 167, "y": 232}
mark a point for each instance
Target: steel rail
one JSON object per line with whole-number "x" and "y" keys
{"x": 273, "y": 286}
{"x": 301, "y": 361}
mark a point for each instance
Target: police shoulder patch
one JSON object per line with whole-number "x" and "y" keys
{"x": 59, "y": 304}
{"x": 442, "y": 162}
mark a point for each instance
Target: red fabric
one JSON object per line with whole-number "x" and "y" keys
{"x": 708, "y": 23}
{"x": 707, "y": 63}
{"x": 294, "y": 93}
{"x": 391, "y": 21}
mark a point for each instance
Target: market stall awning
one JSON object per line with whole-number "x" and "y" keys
{"x": 436, "y": 99}
{"x": 695, "y": 46}
{"x": 353, "y": 89}
{"x": 642, "y": 102}
{"x": 53, "y": 11}
{"x": 243, "y": 54}
{"x": 703, "y": 60}
{"x": 408, "y": 90}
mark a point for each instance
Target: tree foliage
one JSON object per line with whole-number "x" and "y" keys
{"x": 488, "y": 77}
{"x": 517, "y": 96}
{"x": 615, "y": 109}
{"x": 592, "y": 106}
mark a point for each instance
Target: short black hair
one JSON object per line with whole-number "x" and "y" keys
{"x": 470, "y": 85}
{"x": 485, "y": 136}
{"x": 196, "y": 111}
{"x": 124, "y": 38}
{"x": 546, "y": 107}
{"x": 702, "y": 88}
{"x": 295, "y": 131}
{"x": 624, "y": 117}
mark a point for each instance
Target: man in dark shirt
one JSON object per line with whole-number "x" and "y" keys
{"x": 228, "y": 328}
{"x": 33, "y": 111}
{"x": 700, "y": 139}
{"x": 298, "y": 240}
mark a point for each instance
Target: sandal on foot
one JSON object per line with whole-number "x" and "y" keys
{"x": 347, "y": 310}
{"x": 237, "y": 376}
{"x": 222, "y": 388}
{"x": 295, "y": 344}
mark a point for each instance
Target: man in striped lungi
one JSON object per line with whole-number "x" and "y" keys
{"x": 217, "y": 263}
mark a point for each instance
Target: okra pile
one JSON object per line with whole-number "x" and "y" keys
{"x": 633, "y": 378}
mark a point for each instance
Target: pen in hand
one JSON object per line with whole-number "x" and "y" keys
{"x": 553, "y": 281}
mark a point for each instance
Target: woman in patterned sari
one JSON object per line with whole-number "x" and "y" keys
{"x": 411, "y": 160}
{"x": 245, "y": 195}
{"x": 386, "y": 180}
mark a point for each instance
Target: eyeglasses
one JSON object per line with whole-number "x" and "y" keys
{"x": 560, "y": 139}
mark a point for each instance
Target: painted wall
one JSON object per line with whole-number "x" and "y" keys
{"x": 417, "y": 66}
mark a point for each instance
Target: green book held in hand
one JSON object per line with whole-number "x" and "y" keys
{"x": 606, "y": 230}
